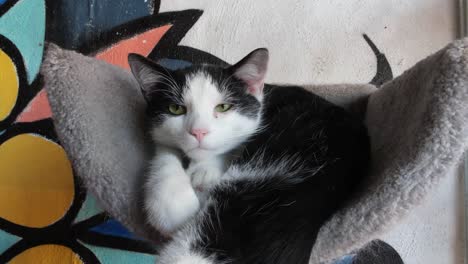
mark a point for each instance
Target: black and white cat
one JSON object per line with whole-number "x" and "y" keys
{"x": 268, "y": 165}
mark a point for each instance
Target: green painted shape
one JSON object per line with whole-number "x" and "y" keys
{"x": 24, "y": 25}
{"x": 117, "y": 256}
{"x": 88, "y": 209}
{"x": 7, "y": 240}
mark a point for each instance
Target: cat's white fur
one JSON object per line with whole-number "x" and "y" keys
{"x": 180, "y": 249}
{"x": 171, "y": 198}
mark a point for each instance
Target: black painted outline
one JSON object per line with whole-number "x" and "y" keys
{"x": 168, "y": 48}
{"x": 181, "y": 22}
{"x": 7, "y": 6}
{"x": 156, "y": 5}
{"x": 383, "y": 72}
{"x": 43, "y": 128}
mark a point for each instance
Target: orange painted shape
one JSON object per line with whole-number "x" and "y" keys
{"x": 141, "y": 44}
{"x": 9, "y": 85}
{"x": 37, "y": 109}
{"x": 47, "y": 254}
{"x": 36, "y": 181}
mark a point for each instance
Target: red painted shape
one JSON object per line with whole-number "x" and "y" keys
{"x": 142, "y": 44}
{"x": 37, "y": 109}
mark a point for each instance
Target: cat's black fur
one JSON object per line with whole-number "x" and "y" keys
{"x": 291, "y": 177}
{"x": 274, "y": 220}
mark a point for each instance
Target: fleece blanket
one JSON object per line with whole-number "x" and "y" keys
{"x": 46, "y": 213}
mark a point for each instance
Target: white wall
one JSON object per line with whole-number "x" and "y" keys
{"x": 320, "y": 41}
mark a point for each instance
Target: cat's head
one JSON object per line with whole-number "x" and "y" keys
{"x": 203, "y": 110}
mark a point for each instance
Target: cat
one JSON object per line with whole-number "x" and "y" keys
{"x": 273, "y": 162}
{"x": 195, "y": 115}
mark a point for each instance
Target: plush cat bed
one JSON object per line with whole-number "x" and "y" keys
{"x": 418, "y": 126}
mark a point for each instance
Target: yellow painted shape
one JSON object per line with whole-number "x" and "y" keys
{"x": 9, "y": 85}
{"x": 47, "y": 254}
{"x": 36, "y": 181}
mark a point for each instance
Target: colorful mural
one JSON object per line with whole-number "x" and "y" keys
{"x": 46, "y": 216}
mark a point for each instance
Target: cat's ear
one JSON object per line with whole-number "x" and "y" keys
{"x": 147, "y": 73}
{"x": 252, "y": 70}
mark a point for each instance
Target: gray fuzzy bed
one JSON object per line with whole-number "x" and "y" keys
{"x": 418, "y": 125}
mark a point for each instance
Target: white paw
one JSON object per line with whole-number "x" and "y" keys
{"x": 170, "y": 204}
{"x": 204, "y": 177}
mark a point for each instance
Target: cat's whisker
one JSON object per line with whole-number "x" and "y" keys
{"x": 171, "y": 78}
{"x": 171, "y": 83}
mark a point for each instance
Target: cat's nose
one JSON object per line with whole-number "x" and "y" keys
{"x": 199, "y": 133}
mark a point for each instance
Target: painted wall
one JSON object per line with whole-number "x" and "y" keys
{"x": 46, "y": 216}
{"x": 321, "y": 41}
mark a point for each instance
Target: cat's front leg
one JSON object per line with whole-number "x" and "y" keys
{"x": 170, "y": 199}
{"x": 206, "y": 173}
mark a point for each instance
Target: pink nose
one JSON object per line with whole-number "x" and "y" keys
{"x": 199, "y": 133}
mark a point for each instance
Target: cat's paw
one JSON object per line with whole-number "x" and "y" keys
{"x": 170, "y": 204}
{"x": 204, "y": 177}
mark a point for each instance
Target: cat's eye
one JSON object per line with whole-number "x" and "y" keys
{"x": 223, "y": 107}
{"x": 177, "y": 109}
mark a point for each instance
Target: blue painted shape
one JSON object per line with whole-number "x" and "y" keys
{"x": 113, "y": 228}
{"x": 24, "y": 25}
{"x": 2, "y": 132}
{"x": 7, "y": 240}
{"x": 174, "y": 64}
{"x": 116, "y": 256}
{"x": 346, "y": 259}
{"x": 2, "y": 2}
{"x": 88, "y": 209}
{"x": 78, "y": 22}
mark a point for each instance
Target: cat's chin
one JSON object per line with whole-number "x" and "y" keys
{"x": 200, "y": 153}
